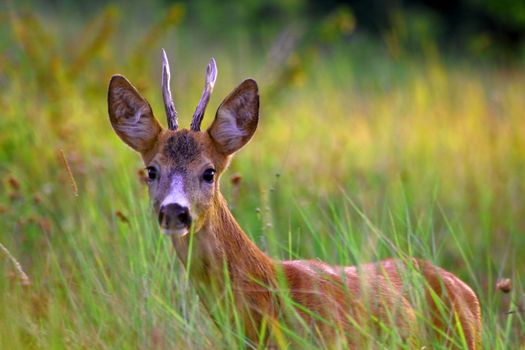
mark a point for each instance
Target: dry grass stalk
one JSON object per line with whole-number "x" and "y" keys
{"x": 504, "y": 285}
{"x": 70, "y": 173}
{"x": 13, "y": 182}
{"x": 143, "y": 177}
{"x": 22, "y": 276}
{"x": 122, "y": 217}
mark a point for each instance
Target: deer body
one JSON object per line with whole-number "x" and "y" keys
{"x": 340, "y": 295}
{"x": 184, "y": 167}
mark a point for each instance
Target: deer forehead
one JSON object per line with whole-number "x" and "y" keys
{"x": 181, "y": 148}
{"x": 184, "y": 149}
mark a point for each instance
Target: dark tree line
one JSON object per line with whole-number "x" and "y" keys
{"x": 475, "y": 25}
{"x": 503, "y": 21}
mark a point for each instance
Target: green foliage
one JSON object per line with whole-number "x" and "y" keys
{"x": 358, "y": 157}
{"x": 510, "y": 12}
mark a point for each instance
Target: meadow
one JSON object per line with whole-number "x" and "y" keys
{"x": 365, "y": 150}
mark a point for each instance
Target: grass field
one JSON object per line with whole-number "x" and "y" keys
{"x": 363, "y": 152}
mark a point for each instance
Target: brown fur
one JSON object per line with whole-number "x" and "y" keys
{"x": 350, "y": 299}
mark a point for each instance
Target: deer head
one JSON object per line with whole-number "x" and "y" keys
{"x": 184, "y": 166}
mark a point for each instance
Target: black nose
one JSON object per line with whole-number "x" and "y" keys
{"x": 173, "y": 215}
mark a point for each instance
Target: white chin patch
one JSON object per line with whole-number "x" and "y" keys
{"x": 179, "y": 232}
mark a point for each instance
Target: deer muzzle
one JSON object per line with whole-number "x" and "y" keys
{"x": 175, "y": 219}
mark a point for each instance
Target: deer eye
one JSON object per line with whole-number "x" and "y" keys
{"x": 153, "y": 173}
{"x": 208, "y": 175}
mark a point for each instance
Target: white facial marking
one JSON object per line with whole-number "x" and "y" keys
{"x": 176, "y": 194}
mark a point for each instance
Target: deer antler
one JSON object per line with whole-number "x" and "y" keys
{"x": 209, "y": 82}
{"x": 171, "y": 113}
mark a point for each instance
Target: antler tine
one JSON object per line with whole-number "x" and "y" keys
{"x": 171, "y": 113}
{"x": 209, "y": 82}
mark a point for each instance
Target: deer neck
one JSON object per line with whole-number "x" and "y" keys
{"x": 221, "y": 244}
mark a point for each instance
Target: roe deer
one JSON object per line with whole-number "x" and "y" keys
{"x": 184, "y": 168}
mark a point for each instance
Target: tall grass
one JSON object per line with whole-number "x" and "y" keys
{"x": 359, "y": 156}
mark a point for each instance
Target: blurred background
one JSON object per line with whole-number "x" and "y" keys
{"x": 387, "y": 128}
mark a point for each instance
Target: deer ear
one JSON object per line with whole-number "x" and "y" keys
{"x": 131, "y": 115}
{"x": 236, "y": 118}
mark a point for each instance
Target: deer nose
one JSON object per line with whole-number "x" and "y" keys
{"x": 174, "y": 215}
